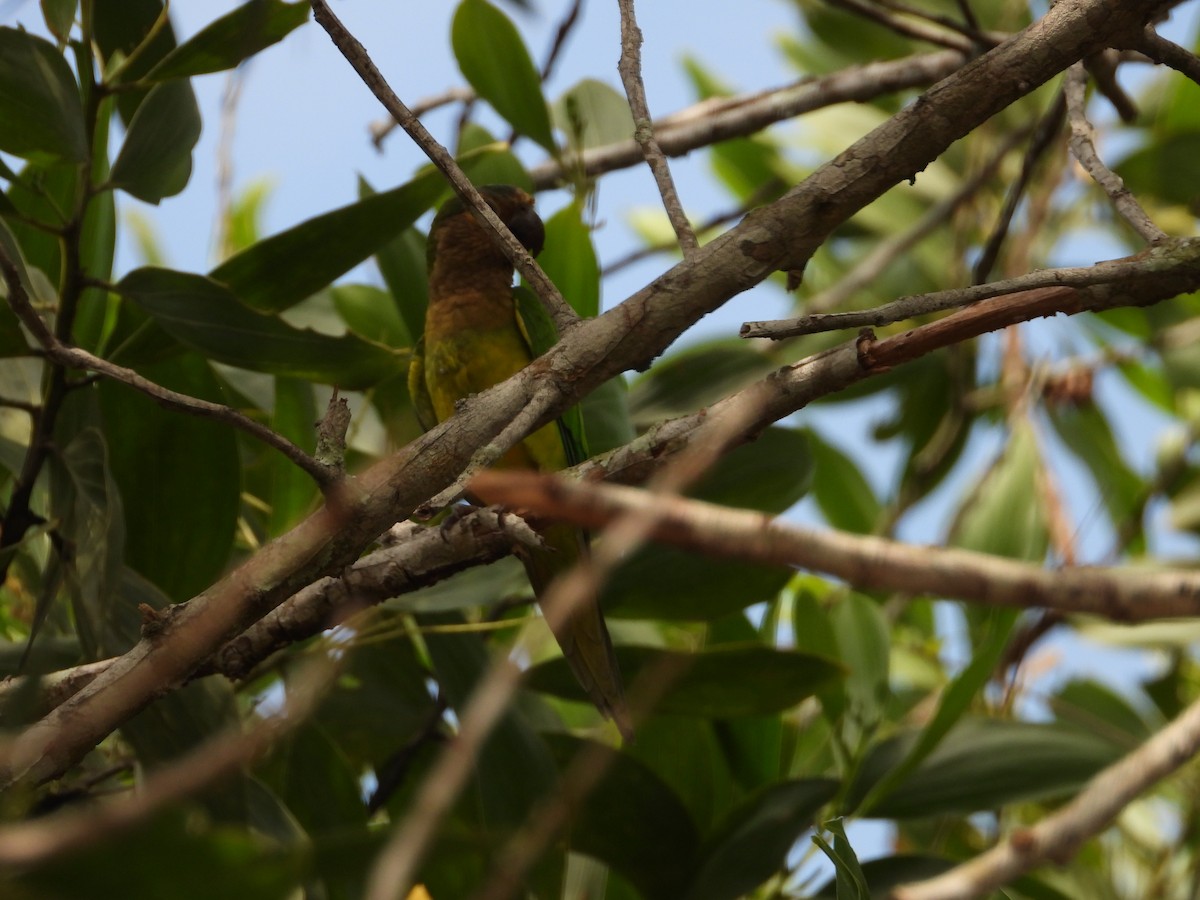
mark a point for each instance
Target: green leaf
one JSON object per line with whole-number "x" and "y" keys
{"x": 1160, "y": 170}
{"x": 592, "y": 114}
{"x": 317, "y": 782}
{"x": 631, "y": 821}
{"x": 843, "y": 494}
{"x": 292, "y": 493}
{"x": 883, "y": 875}
{"x": 849, "y": 878}
{"x": 500, "y": 165}
{"x": 59, "y": 16}
{"x": 202, "y": 314}
{"x": 494, "y": 61}
{"x": 515, "y": 769}
{"x": 864, "y": 648}
{"x": 570, "y": 260}
{"x": 40, "y": 112}
{"x": 984, "y": 764}
{"x": 156, "y": 158}
{"x": 123, "y": 28}
{"x": 1004, "y": 515}
{"x": 234, "y": 37}
{"x": 723, "y": 682}
{"x": 954, "y": 702}
{"x": 370, "y": 313}
{"x": 753, "y": 841}
{"x": 280, "y": 271}
{"x": 694, "y": 378}
{"x": 1086, "y": 432}
{"x": 770, "y": 474}
{"x": 156, "y": 454}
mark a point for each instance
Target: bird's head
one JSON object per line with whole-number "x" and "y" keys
{"x": 457, "y": 237}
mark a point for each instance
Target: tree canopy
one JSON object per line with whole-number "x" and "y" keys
{"x": 257, "y": 643}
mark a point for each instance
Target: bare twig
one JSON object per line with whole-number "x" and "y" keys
{"x": 1127, "y": 269}
{"x": 1058, "y": 837}
{"x": 565, "y": 26}
{"x": 230, "y": 98}
{"x": 381, "y": 129}
{"x": 630, "y": 68}
{"x": 74, "y": 357}
{"x": 559, "y": 310}
{"x": 1043, "y": 139}
{"x": 1084, "y": 149}
{"x": 715, "y": 120}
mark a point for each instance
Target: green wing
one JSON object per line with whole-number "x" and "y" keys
{"x": 540, "y": 334}
{"x": 418, "y": 390}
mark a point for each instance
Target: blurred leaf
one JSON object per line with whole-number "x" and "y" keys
{"x": 42, "y": 193}
{"x": 770, "y": 474}
{"x": 499, "y": 166}
{"x": 592, "y": 114}
{"x": 1003, "y": 514}
{"x": 59, "y": 16}
{"x": 494, "y": 61}
{"x": 695, "y": 377}
{"x": 293, "y": 493}
{"x": 722, "y": 682}
{"x": 370, "y": 313}
{"x": 317, "y": 782}
{"x": 843, "y": 494}
{"x": 631, "y": 821}
{"x": 155, "y": 464}
{"x": 863, "y": 647}
{"x": 983, "y": 764}
{"x": 515, "y": 769}
{"x": 753, "y": 841}
{"x": 885, "y": 874}
{"x": 40, "y": 112}
{"x": 1086, "y": 432}
{"x": 606, "y": 416}
{"x": 1168, "y": 170}
{"x": 1098, "y": 708}
{"x": 204, "y": 315}
{"x": 156, "y": 156}
{"x": 169, "y": 856}
{"x": 234, "y": 37}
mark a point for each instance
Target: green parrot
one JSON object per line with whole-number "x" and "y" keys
{"x": 478, "y": 332}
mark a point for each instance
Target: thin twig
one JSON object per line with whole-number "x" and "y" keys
{"x": 1058, "y": 837}
{"x": 630, "y": 68}
{"x": 1084, "y": 149}
{"x": 1108, "y": 272}
{"x": 916, "y": 30}
{"x": 380, "y": 130}
{"x": 1043, "y": 139}
{"x": 969, "y": 27}
{"x": 715, "y": 120}
{"x": 560, "y": 311}
{"x": 1168, "y": 53}
{"x": 568, "y": 23}
{"x": 76, "y": 358}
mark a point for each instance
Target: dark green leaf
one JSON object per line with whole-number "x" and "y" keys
{"x": 157, "y": 456}
{"x": 753, "y": 841}
{"x": 292, "y": 493}
{"x": 694, "y": 378}
{"x": 202, "y": 314}
{"x": 234, "y": 37}
{"x": 844, "y": 495}
{"x": 769, "y": 474}
{"x": 317, "y": 782}
{"x": 494, "y": 61}
{"x": 124, "y": 28}
{"x": 1004, "y": 514}
{"x": 1086, "y": 431}
{"x": 1161, "y": 170}
{"x": 156, "y": 157}
{"x": 59, "y": 16}
{"x": 631, "y": 821}
{"x": 42, "y": 194}
{"x": 883, "y": 875}
{"x": 570, "y": 260}
{"x": 724, "y": 682}
{"x": 40, "y": 112}
{"x": 984, "y": 764}
{"x": 280, "y": 271}
{"x": 370, "y": 313}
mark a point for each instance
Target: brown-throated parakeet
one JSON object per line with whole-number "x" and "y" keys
{"x": 479, "y": 332}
